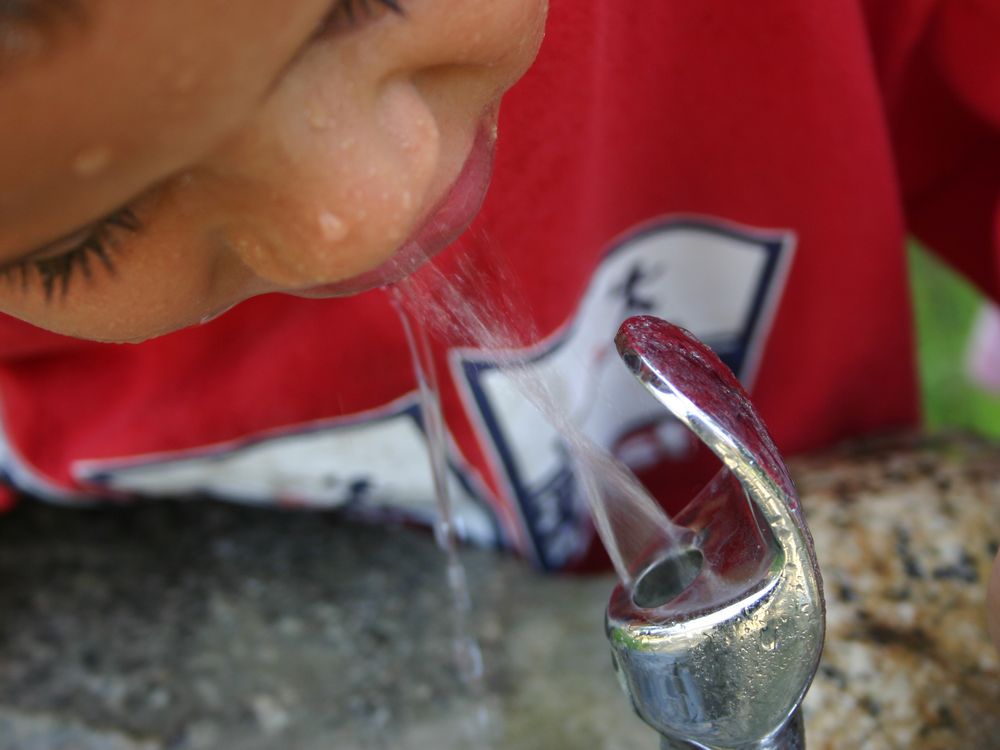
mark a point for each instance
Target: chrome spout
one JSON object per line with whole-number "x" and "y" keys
{"x": 719, "y": 635}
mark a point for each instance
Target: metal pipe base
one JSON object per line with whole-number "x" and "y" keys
{"x": 791, "y": 736}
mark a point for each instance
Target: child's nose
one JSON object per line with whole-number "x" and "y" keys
{"x": 365, "y": 134}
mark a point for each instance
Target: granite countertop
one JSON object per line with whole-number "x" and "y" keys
{"x": 179, "y": 626}
{"x": 906, "y": 533}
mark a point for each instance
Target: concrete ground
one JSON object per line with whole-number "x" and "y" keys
{"x": 201, "y": 625}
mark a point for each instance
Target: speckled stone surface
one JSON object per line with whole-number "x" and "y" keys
{"x": 198, "y": 626}
{"x": 906, "y": 533}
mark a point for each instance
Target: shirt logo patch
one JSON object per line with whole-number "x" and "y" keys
{"x": 719, "y": 280}
{"x": 372, "y": 465}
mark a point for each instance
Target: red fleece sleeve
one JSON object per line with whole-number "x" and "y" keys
{"x": 966, "y": 45}
{"x": 939, "y": 66}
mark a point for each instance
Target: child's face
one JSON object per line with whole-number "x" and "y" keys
{"x": 262, "y": 145}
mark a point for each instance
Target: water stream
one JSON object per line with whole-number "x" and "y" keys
{"x": 481, "y": 729}
{"x": 476, "y": 305}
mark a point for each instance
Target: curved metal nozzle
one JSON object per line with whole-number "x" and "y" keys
{"x": 719, "y": 636}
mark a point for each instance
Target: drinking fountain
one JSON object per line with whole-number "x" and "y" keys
{"x": 718, "y": 634}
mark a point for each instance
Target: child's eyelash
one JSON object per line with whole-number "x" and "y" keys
{"x": 352, "y": 11}
{"x": 98, "y": 244}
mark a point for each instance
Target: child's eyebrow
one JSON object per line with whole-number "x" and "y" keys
{"x": 27, "y": 27}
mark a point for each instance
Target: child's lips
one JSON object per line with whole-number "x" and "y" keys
{"x": 461, "y": 203}
{"x": 443, "y": 225}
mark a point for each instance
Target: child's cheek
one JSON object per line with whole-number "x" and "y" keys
{"x": 317, "y": 192}
{"x": 140, "y": 92}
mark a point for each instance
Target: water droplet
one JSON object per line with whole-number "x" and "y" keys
{"x": 469, "y": 659}
{"x": 769, "y": 637}
{"x": 332, "y": 226}
{"x": 318, "y": 119}
{"x": 92, "y": 161}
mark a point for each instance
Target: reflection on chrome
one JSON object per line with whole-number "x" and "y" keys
{"x": 719, "y": 637}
